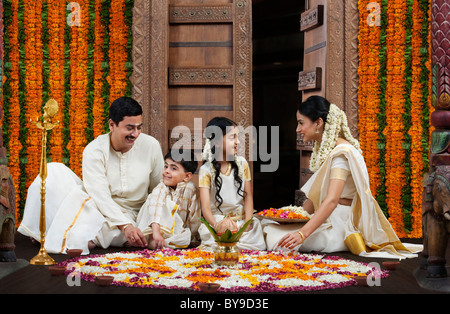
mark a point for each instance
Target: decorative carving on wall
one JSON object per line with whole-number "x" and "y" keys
{"x": 141, "y": 62}
{"x": 310, "y": 79}
{"x": 243, "y": 65}
{"x": 351, "y": 61}
{"x": 201, "y": 14}
{"x": 201, "y": 76}
{"x": 150, "y": 46}
{"x": 312, "y": 18}
{"x": 342, "y": 58}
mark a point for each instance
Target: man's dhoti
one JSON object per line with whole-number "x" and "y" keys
{"x": 72, "y": 217}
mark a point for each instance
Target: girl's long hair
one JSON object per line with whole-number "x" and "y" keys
{"x": 224, "y": 124}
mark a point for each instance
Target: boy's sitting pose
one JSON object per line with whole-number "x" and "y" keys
{"x": 171, "y": 215}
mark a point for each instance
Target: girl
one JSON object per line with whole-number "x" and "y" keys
{"x": 225, "y": 184}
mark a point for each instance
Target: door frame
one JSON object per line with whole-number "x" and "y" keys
{"x": 150, "y": 60}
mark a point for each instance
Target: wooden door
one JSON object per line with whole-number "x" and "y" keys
{"x": 192, "y": 61}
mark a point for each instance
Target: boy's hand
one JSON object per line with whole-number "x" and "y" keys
{"x": 159, "y": 241}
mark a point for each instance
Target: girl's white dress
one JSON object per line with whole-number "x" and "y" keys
{"x": 233, "y": 205}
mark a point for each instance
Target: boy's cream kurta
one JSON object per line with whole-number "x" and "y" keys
{"x": 114, "y": 188}
{"x": 177, "y": 212}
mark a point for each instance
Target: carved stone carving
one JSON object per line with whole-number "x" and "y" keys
{"x": 436, "y": 221}
{"x": 7, "y": 207}
{"x": 436, "y": 208}
{"x": 440, "y": 54}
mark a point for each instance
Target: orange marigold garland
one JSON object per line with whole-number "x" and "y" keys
{"x": 13, "y": 120}
{"x": 118, "y": 33}
{"x": 56, "y": 24}
{"x": 415, "y": 131}
{"x": 368, "y": 91}
{"x": 33, "y": 83}
{"x": 66, "y": 52}
{"x": 78, "y": 83}
{"x": 395, "y": 106}
{"x": 97, "y": 106}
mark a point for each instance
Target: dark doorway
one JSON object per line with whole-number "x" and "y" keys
{"x": 277, "y": 60}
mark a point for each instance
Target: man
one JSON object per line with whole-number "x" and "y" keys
{"x": 120, "y": 169}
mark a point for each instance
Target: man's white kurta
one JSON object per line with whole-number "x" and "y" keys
{"x": 114, "y": 188}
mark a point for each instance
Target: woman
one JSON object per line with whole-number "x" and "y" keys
{"x": 345, "y": 214}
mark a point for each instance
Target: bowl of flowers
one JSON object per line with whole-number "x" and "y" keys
{"x": 286, "y": 214}
{"x": 226, "y": 233}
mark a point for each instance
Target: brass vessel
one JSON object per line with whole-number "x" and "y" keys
{"x": 226, "y": 254}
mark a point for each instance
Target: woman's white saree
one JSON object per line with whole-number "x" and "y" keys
{"x": 368, "y": 232}
{"x": 360, "y": 228}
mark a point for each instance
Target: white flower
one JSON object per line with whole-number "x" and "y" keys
{"x": 335, "y": 126}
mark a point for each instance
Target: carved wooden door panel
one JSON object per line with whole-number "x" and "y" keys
{"x": 194, "y": 64}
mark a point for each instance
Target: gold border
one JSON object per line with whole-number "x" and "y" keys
{"x": 73, "y": 222}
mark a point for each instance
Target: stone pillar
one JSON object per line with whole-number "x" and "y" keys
{"x": 436, "y": 207}
{"x": 7, "y": 191}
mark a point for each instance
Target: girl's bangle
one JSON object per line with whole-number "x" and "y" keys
{"x": 301, "y": 234}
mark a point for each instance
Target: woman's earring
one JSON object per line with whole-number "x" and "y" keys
{"x": 317, "y": 131}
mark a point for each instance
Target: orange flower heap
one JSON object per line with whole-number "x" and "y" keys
{"x": 281, "y": 213}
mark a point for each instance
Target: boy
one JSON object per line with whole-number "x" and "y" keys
{"x": 170, "y": 216}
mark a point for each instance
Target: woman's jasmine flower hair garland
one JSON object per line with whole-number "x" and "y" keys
{"x": 335, "y": 126}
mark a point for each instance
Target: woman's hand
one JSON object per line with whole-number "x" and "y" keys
{"x": 291, "y": 240}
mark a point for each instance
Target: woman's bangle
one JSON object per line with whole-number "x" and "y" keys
{"x": 301, "y": 234}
